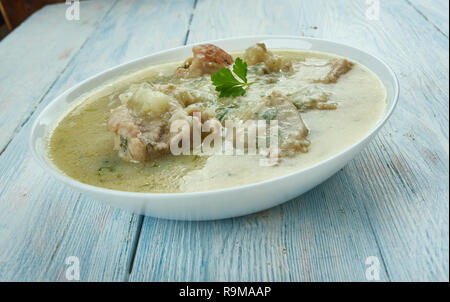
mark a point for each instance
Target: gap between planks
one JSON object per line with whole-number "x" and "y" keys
{"x": 377, "y": 242}
{"x": 134, "y": 246}
{"x": 190, "y": 22}
{"x": 426, "y": 18}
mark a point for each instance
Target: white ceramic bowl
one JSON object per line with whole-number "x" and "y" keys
{"x": 217, "y": 204}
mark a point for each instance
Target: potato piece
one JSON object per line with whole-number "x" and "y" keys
{"x": 153, "y": 101}
{"x": 143, "y": 100}
{"x": 258, "y": 53}
{"x": 255, "y": 54}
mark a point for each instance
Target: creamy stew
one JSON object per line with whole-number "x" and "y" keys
{"x": 119, "y": 137}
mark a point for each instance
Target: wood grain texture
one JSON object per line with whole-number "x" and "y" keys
{"x": 434, "y": 11}
{"x": 42, "y": 222}
{"x": 34, "y": 55}
{"x": 390, "y": 202}
{"x": 405, "y": 172}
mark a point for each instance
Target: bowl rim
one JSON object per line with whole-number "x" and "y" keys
{"x": 59, "y": 175}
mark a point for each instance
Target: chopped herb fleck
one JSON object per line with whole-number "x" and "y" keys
{"x": 107, "y": 165}
{"x": 223, "y": 111}
{"x": 102, "y": 170}
{"x": 269, "y": 114}
{"x": 123, "y": 143}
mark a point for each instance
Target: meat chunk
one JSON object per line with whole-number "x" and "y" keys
{"x": 312, "y": 97}
{"x": 258, "y": 53}
{"x": 334, "y": 69}
{"x": 126, "y": 131}
{"x": 206, "y": 114}
{"x": 207, "y": 59}
{"x": 136, "y": 138}
{"x": 323, "y": 70}
{"x": 140, "y": 124}
{"x": 293, "y": 131}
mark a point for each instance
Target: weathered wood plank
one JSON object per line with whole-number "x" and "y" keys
{"x": 34, "y": 55}
{"x": 43, "y": 222}
{"x": 403, "y": 176}
{"x": 435, "y": 11}
{"x": 390, "y": 202}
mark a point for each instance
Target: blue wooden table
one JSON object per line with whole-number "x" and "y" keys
{"x": 388, "y": 209}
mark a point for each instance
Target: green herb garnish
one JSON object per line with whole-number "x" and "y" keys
{"x": 123, "y": 143}
{"x": 106, "y": 166}
{"x": 227, "y": 84}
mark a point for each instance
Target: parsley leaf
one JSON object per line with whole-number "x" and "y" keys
{"x": 227, "y": 84}
{"x": 240, "y": 69}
